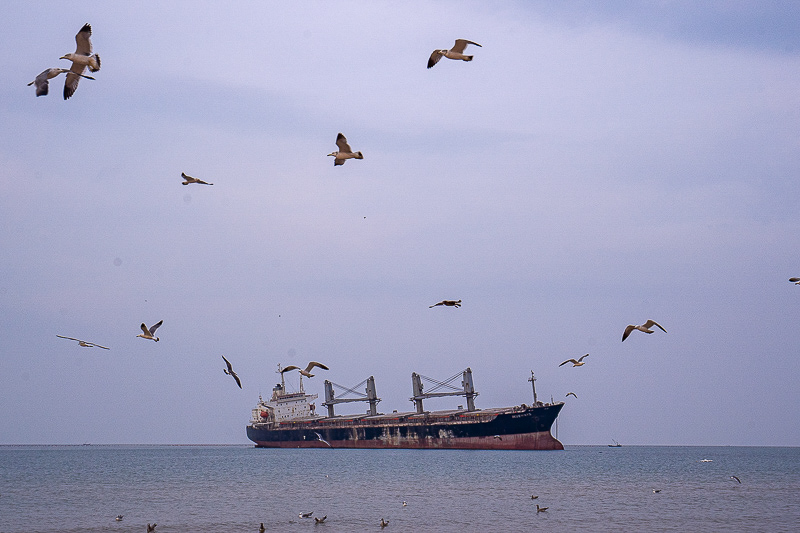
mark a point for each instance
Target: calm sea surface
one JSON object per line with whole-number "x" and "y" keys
{"x": 234, "y": 488}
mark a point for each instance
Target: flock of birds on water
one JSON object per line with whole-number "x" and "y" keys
{"x": 83, "y": 58}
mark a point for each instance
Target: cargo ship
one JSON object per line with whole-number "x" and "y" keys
{"x": 289, "y": 420}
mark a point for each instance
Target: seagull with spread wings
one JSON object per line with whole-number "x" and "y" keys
{"x": 307, "y": 372}
{"x": 150, "y": 333}
{"x": 457, "y": 52}
{"x": 229, "y": 371}
{"x": 85, "y": 344}
{"x": 644, "y": 328}
{"x": 81, "y": 59}
{"x": 42, "y": 81}
{"x": 579, "y": 362}
{"x": 189, "y": 179}
{"x": 344, "y": 152}
{"x": 448, "y": 303}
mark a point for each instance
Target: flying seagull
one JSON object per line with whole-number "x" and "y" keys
{"x": 644, "y": 327}
{"x": 457, "y": 52}
{"x": 448, "y": 303}
{"x": 229, "y": 371}
{"x": 579, "y": 362}
{"x": 737, "y": 479}
{"x": 345, "y": 152}
{"x": 85, "y": 344}
{"x": 319, "y": 438}
{"x": 541, "y": 509}
{"x": 572, "y": 393}
{"x": 148, "y": 333}
{"x": 81, "y": 59}
{"x": 320, "y": 520}
{"x": 307, "y": 372}
{"x": 796, "y": 281}
{"x": 42, "y": 81}
{"x": 190, "y": 179}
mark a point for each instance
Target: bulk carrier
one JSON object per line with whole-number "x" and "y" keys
{"x": 289, "y": 420}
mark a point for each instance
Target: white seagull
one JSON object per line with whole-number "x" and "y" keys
{"x": 85, "y": 344}
{"x": 190, "y": 179}
{"x": 319, "y": 438}
{"x": 229, "y": 371}
{"x": 457, "y": 52}
{"x": 305, "y": 515}
{"x": 81, "y": 59}
{"x": 149, "y": 333}
{"x": 579, "y": 362}
{"x": 42, "y": 81}
{"x": 307, "y": 372}
{"x": 345, "y": 152}
{"x": 644, "y": 327}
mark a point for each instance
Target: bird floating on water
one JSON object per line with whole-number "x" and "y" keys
{"x": 306, "y": 515}
{"x": 261, "y": 528}
{"x": 541, "y": 509}
{"x": 644, "y": 328}
{"x": 149, "y": 333}
{"x": 534, "y": 497}
{"x": 736, "y": 478}
{"x": 81, "y": 59}
{"x": 151, "y": 529}
{"x": 229, "y": 371}
{"x": 706, "y": 461}
{"x": 448, "y": 303}
{"x": 307, "y": 372}
{"x": 384, "y": 523}
{"x": 573, "y": 394}
{"x": 42, "y": 81}
{"x": 457, "y": 52}
{"x": 656, "y": 491}
{"x": 579, "y": 362}
{"x": 189, "y": 179}
{"x": 118, "y": 518}
{"x": 405, "y": 503}
{"x": 320, "y": 520}
{"x": 85, "y": 344}
{"x": 344, "y": 152}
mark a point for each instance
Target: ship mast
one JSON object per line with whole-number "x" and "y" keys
{"x": 532, "y": 379}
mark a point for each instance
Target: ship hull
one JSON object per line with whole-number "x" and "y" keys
{"x": 510, "y": 429}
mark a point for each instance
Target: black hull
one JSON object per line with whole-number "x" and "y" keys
{"x": 505, "y": 429}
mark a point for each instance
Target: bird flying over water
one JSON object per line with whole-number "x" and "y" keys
{"x": 307, "y": 372}
{"x": 579, "y": 362}
{"x": 189, "y": 179}
{"x": 644, "y": 328}
{"x": 149, "y": 333}
{"x": 85, "y": 344}
{"x": 448, "y": 303}
{"x": 81, "y": 59}
{"x": 42, "y": 81}
{"x": 573, "y": 394}
{"x": 457, "y": 52}
{"x": 229, "y": 371}
{"x": 736, "y": 478}
{"x": 320, "y": 520}
{"x": 345, "y": 152}
{"x": 319, "y": 438}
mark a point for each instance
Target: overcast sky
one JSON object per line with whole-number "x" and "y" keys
{"x": 596, "y": 165}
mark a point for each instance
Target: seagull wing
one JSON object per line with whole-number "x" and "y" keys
{"x": 435, "y": 57}
{"x": 571, "y": 394}
{"x": 793, "y": 280}
{"x": 238, "y": 381}
{"x": 312, "y": 364}
{"x": 103, "y": 347}
{"x": 628, "y": 332}
{"x": 573, "y": 361}
{"x": 290, "y": 367}
{"x": 341, "y": 142}
{"x": 583, "y": 357}
{"x": 144, "y": 329}
{"x": 155, "y": 326}
{"x": 42, "y": 83}
{"x": 83, "y": 40}
{"x": 230, "y": 368}
{"x": 461, "y": 44}
{"x": 73, "y": 77}
{"x": 187, "y": 178}
{"x": 70, "y": 338}
{"x": 650, "y": 323}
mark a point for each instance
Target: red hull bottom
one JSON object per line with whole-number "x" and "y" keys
{"x": 542, "y": 440}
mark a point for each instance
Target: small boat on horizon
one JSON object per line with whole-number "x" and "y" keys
{"x": 615, "y": 445}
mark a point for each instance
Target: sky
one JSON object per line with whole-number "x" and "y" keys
{"x": 597, "y": 164}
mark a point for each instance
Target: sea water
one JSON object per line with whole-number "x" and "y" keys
{"x": 235, "y": 488}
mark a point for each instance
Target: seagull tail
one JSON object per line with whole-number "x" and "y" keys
{"x": 359, "y": 155}
{"x": 468, "y": 58}
{"x": 96, "y": 58}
